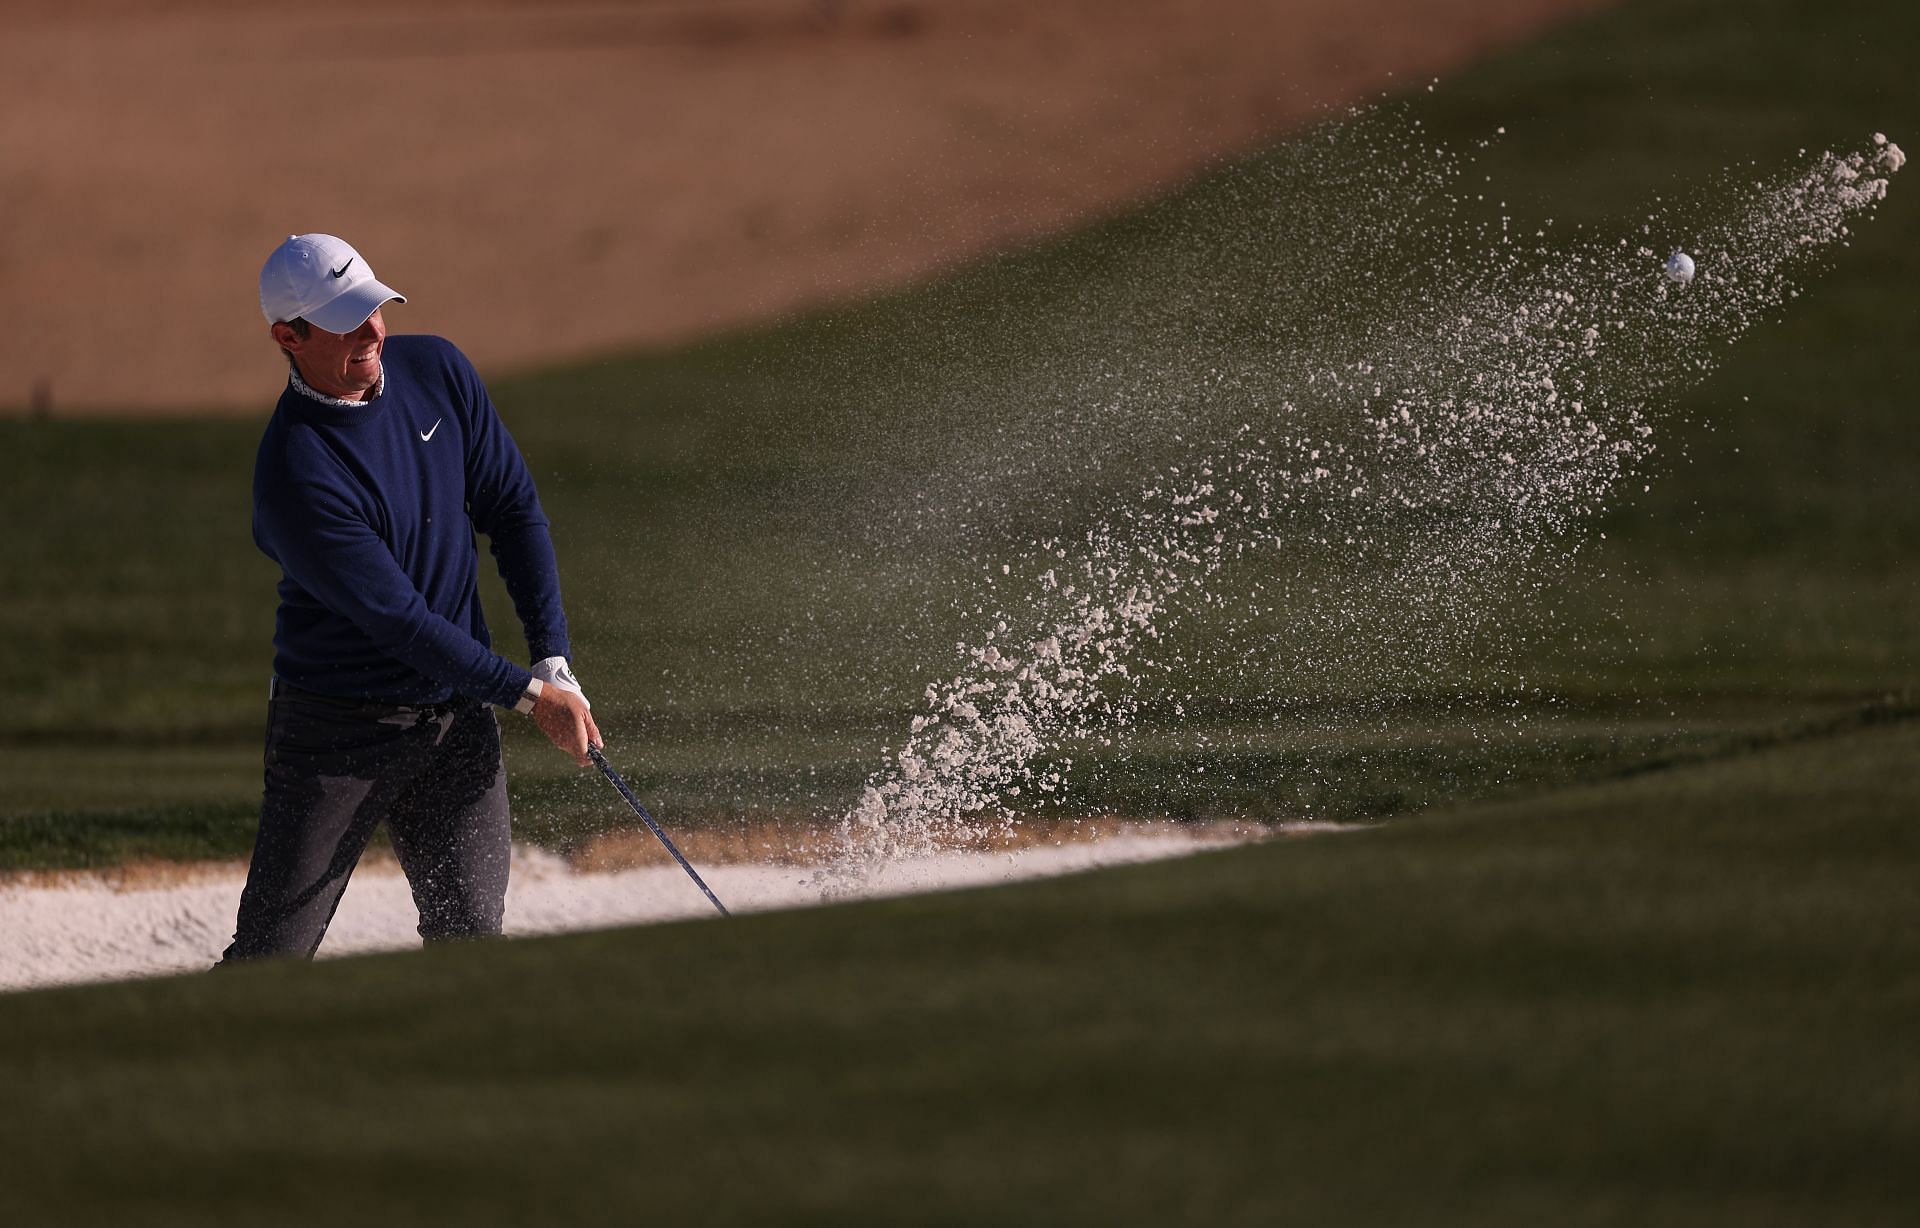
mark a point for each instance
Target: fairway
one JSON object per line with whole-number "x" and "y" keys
{"x": 1684, "y": 998}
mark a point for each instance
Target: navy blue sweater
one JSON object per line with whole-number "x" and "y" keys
{"x": 370, "y": 512}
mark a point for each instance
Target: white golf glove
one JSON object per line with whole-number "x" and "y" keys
{"x": 554, "y": 671}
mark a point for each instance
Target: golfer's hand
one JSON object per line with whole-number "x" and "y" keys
{"x": 563, "y": 716}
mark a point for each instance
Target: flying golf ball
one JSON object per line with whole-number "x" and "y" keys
{"x": 1680, "y": 268}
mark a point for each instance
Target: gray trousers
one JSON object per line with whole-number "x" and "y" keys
{"x": 335, "y": 769}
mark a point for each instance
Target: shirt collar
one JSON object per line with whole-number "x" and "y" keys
{"x": 301, "y": 386}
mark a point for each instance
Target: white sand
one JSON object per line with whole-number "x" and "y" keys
{"x": 90, "y": 929}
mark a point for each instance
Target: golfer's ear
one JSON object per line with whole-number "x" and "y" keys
{"x": 284, "y": 336}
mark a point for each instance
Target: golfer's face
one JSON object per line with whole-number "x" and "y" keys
{"x": 343, "y": 364}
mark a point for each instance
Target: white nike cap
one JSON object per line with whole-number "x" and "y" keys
{"x": 322, "y": 280}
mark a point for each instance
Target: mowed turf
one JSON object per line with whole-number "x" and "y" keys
{"x": 1684, "y": 998}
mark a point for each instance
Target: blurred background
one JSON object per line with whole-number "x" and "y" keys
{"x": 805, "y": 314}
{"x": 556, "y": 181}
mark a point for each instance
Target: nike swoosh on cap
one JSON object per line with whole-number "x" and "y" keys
{"x": 343, "y": 268}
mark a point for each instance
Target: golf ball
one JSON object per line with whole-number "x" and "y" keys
{"x": 1680, "y": 267}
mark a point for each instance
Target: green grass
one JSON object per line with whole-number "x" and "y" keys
{"x": 1681, "y": 998}
{"x": 767, "y": 544}
{"x": 99, "y": 807}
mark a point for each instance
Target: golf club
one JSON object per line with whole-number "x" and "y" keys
{"x": 600, "y": 761}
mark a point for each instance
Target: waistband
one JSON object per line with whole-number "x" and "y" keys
{"x": 280, "y": 688}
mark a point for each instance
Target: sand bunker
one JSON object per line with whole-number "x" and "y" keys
{"x": 76, "y": 928}
{"x": 550, "y": 181}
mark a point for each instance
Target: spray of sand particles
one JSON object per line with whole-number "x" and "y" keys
{"x": 1394, "y": 479}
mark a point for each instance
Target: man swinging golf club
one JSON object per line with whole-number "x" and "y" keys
{"x": 382, "y": 460}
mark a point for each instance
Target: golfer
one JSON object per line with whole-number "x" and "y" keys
{"x": 382, "y": 460}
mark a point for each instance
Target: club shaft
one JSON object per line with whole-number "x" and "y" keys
{"x": 600, "y": 761}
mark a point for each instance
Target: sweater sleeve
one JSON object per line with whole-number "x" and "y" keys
{"x": 505, "y": 506}
{"x": 328, "y": 548}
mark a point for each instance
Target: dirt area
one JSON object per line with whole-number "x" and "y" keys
{"x": 548, "y": 182}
